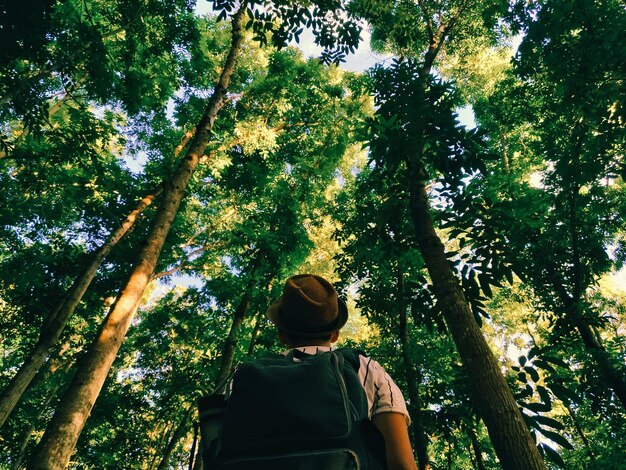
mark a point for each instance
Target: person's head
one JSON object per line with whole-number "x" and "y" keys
{"x": 308, "y": 313}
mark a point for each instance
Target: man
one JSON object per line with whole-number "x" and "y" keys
{"x": 308, "y": 316}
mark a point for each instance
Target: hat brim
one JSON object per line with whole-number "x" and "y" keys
{"x": 273, "y": 314}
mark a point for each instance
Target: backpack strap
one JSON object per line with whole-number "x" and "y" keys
{"x": 351, "y": 356}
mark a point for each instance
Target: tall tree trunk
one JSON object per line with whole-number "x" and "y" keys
{"x": 179, "y": 432}
{"x": 56, "y": 364}
{"x": 580, "y": 432}
{"x": 196, "y": 444}
{"x": 490, "y": 393}
{"x": 59, "y": 361}
{"x": 614, "y": 379}
{"x": 19, "y": 458}
{"x": 56, "y": 447}
{"x": 255, "y": 333}
{"x": 53, "y": 326}
{"x": 257, "y": 326}
{"x": 480, "y": 464}
{"x": 420, "y": 438}
{"x": 198, "y": 464}
{"x": 230, "y": 345}
{"x": 168, "y": 430}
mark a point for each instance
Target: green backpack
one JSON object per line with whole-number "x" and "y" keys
{"x": 310, "y": 413}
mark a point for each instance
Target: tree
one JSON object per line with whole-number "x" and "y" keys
{"x": 55, "y": 324}
{"x": 100, "y": 102}
{"x": 570, "y": 217}
{"x": 416, "y": 128}
{"x": 58, "y": 443}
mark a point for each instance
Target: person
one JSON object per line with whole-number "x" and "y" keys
{"x": 309, "y": 316}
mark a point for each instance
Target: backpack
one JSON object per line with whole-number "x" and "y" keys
{"x": 311, "y": 413}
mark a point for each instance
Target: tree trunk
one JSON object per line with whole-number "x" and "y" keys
{"x": 580, "y": 432}
{"x": 607, "y": 370}
{"x": 168, "y": 430}
{"x": 230, "y": 345}
{"x": 19, "y": 458}
{"x": 55, "y": 324}
{"x": 198, "y": 464}
{"x": 420, "y": 438}
{"x": 196, "y": 444}
{"x": 480, "y": 464}
{"x": 57, "y": 444}
{"x": 255, "y": 333}
{"x": 176, "y": 436}
{"x": 614, "y": 379}
{"x": 490, "y": 393}
{"x": 57, "y": 362}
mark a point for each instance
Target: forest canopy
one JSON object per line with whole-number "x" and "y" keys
{"x": 165, "y": 166}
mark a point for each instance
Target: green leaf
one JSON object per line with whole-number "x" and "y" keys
{"x": 544, "y": 394}
{"x": 555, "y": 360}
{"x": 553, "y": 455}
{"x": 557, "y": 438}
{"x": 532, "y": 372}
{"x": 546, "y": 421}
{"x": 484, "y": 284}
{"x": 537, "y": 407}
{"x": 544, "y": 365}
{"x": 564, "y": 394}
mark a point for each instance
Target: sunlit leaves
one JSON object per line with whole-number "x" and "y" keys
{"x": 280, "y": 22}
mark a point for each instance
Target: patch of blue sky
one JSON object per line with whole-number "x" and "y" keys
{"x": 188, "y": 280}
{"x": 135, "y": 162}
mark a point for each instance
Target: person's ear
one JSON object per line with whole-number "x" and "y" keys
{"x": 334, "y": 336}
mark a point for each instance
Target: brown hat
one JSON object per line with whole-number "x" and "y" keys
{"x": 309, "y": 307}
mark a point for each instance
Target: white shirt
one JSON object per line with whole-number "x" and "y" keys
{"x": 383, "y": 395}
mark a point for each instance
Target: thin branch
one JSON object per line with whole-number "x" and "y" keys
{"x": 428, "y": 17}
{"x": 180, "y": 266}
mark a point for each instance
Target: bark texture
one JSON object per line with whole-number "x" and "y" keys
{"x": 491, "y": 395}
{"x": 53, "y": 327}
{"x": 57, "y": 445}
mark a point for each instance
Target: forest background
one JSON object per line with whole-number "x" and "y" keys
{"x": 164, "y": 171}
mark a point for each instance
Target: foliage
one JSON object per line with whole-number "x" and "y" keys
{"x": 307, "y": 171}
